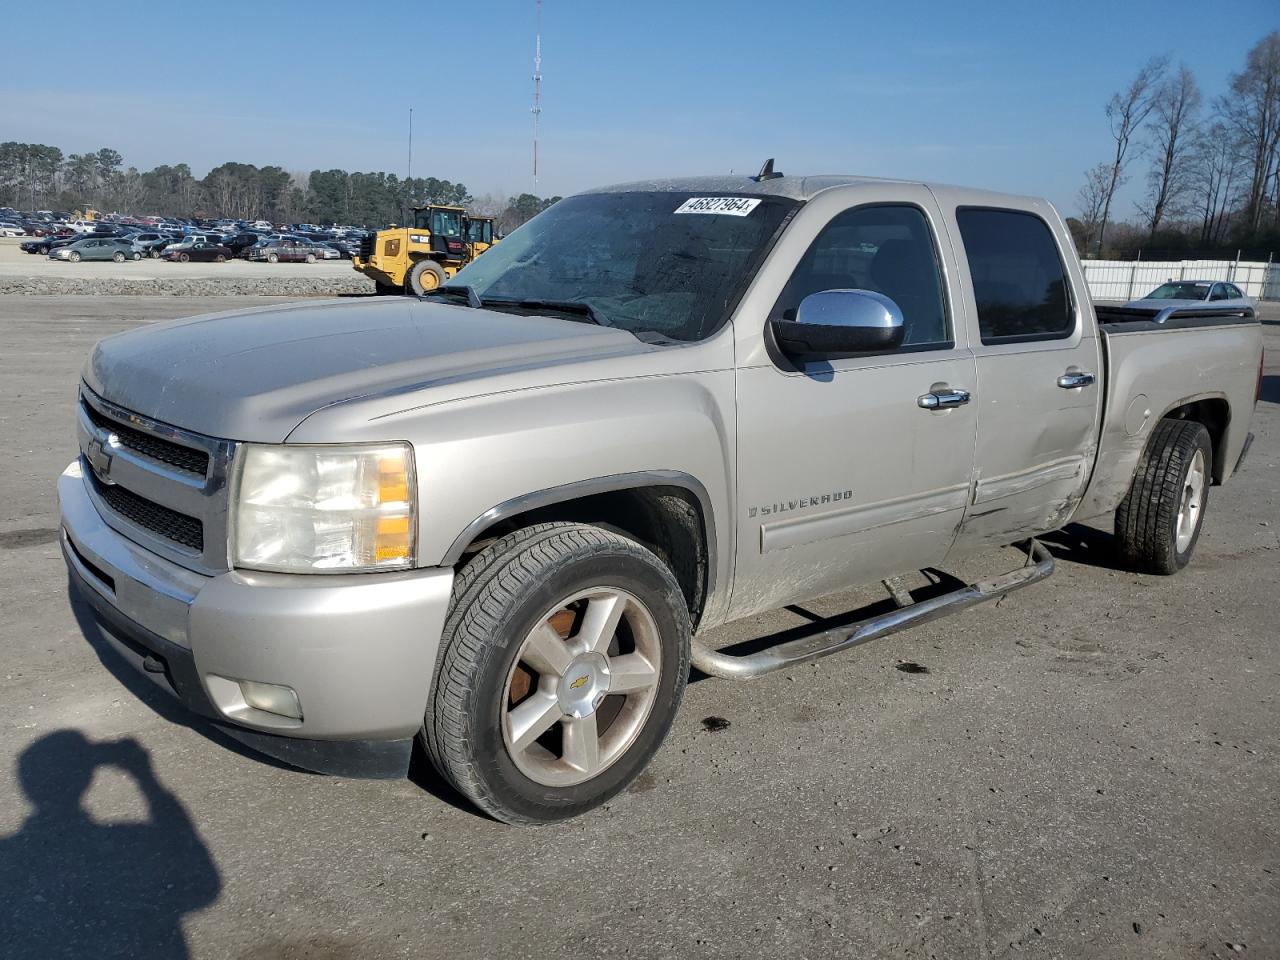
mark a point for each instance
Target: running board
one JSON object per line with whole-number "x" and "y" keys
{"x": 1039, "y": 565}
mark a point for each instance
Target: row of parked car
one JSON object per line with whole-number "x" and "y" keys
{"x": 62, "y": 238}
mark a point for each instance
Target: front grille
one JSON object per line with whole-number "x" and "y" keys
{"x": 160, "y": 520}
{"x": 195, "y": 462}
{"x": 366, "y": 246}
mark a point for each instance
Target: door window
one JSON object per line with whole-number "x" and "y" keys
{"x": 1233, "y": 291}
{"x": 886, "y": 249}
{"x": 1219, "y": 292}
{"x": 1019, "y": 284}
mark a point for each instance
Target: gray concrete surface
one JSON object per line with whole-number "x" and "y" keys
{"x": 1088, "y": 769}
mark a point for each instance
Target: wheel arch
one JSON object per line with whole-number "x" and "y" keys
{"x": 1213, "y": 411}
{"x": 667, "y": 511}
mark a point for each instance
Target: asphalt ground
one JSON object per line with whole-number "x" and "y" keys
{"x": 1089, "y": 768}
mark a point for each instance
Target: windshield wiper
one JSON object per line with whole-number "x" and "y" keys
{"x": 459, "y": 290}
{"x": 578, "y": 307}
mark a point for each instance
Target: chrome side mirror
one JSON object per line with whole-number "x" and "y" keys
{"x": 833, "y": 324}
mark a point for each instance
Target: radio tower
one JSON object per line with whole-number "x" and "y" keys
{"x": 537, "y": 94}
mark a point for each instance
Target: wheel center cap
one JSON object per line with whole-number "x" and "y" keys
{"x": 584, "y": 685}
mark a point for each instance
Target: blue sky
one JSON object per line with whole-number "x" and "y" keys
{"x": 990, "y": 94}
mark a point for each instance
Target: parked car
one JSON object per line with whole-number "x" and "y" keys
{"x": 558, "y": 472}
{"x": 240, "y": 243}
{"x": 285, "y": 251}
{"x": 198, "y": 252}
{"x": 96, "y": 248}
{"x": 152, "y": 244}
{"x": 1194, "y": 292}
{"x": 10, "y": 228}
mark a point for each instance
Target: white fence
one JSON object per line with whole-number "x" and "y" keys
{"x": 1127, "y": 280}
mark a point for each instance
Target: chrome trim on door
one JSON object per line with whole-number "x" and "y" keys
{"x": 1072, "y": 380}
{"x": 941, "y": 399}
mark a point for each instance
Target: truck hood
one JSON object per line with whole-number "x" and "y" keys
{"x": 256, "y": 374}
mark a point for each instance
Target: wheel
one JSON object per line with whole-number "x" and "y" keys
{"x": 154, "y": 253}
{"x": 74, "y": 257}
{"x": 562, "y": 664}
{"x": 1159, "y": 520}
{"x": 311, "y": 258}
{"x": 423, "y": 276}
{"x": 118, "y": 257}
{"x": 219, "y": 259}
{"x": 273, "y": 258}
{"x": 184, "y": 258}
{"x": 135, "y": 256}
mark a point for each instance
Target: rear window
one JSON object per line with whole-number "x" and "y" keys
{"x": 1019, "y": 283}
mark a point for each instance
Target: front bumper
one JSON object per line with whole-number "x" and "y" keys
{"x": 358, "y": 649}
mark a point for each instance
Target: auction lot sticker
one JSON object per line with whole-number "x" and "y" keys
{"x": 727, "y": 206}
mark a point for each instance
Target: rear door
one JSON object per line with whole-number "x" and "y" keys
{"x": 1039, "y": 374}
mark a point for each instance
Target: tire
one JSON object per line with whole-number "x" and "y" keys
{"x": 311, "y": 258}
{"x": 118, "y": 257}
{"x": 508, "y": 593}
{"x": 272, "y": 258}
{"x": 135, "y": 256}
{"x": 1158, "y": 523}
{"x": 219, "y": 259}
{"x": 184, "y": 258}
{"x": 423, "y": 276}
{"x": 153, "y": 253}
{"x": 74, "y": 257}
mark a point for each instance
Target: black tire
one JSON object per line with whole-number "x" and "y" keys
{"x": 154, "y": 253}
{"x": 1147, "y": 519}
{"x": 184, "y": 258}
{"x": 74, "y": 256}
{"x": 220, "y": 258}
{"x": 498, "y": 598}
{"x": 273, "y": 258}
{"x": 423, "y": 276}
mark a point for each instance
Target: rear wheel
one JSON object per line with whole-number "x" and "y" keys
{"x": 564, "y": 659}
{"x": 273, "y": 258}
{"x": 220, "y": 259}
{"x": 425, "y": 275}
{"x": 1158, "y": 522}
{"x": 154, "y": 253}
{"x": 184, "y": 258}
{"x": 118, "y": 257}
{"x": 311, "y": 258}
{"x": 135, "y": 256}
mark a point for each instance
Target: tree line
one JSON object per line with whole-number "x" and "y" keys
{"x": 35, "y": 176}
{"x": 1212, "y": 176}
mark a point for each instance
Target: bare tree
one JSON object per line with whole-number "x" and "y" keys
{"x": 1177, "y": 100}
{"x": 1128, "y": 111}
{"x": 1092, "y": 199}
{"x": 1252, "y": 109}
{"x": 1215, "y": 175}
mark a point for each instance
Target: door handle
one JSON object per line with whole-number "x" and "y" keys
{"x": 1071, "y": 380}
{"x": 941, "y": 399}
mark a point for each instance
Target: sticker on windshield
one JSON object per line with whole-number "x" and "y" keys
{"x": 726, "y": 206}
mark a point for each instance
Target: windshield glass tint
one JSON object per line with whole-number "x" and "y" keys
{"x": 638, "y": 263}
{"x": 1179, "y": 291}
{"x": 445, "y": 223}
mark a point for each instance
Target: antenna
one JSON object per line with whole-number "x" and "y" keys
{"x": 537, "y": 93}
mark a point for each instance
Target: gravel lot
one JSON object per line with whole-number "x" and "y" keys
{"x": 1090, "y": 768}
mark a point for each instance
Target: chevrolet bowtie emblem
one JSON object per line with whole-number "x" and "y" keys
{"x": 579, "y": 682}
{"x": 99, "y": 456}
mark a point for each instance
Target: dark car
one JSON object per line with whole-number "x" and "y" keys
{"x": 285, "y": 251}
{"x": 239, "y": 244}
{"x": 199, "y": 252}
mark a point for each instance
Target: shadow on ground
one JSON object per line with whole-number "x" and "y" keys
{"x": 1270, "y": 387}
{"x": 75, "y": 886}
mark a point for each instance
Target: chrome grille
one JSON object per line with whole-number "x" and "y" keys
{"x": 161, "y": 486}
{"x": 195, "y": 462}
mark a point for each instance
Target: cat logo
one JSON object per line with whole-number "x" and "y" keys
{"x": 579, "y": 682}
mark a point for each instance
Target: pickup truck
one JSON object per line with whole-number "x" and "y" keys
{"x": 502, "y": 518}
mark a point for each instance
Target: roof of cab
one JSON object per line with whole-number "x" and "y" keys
{"x": 800, "y": 188}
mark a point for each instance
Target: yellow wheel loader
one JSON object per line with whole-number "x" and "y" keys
{"x": 416, "y": 259}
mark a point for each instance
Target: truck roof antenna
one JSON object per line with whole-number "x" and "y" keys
{"x": 766, "y": 172}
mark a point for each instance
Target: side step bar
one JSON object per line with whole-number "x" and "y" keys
{"x": 826, "y": 642}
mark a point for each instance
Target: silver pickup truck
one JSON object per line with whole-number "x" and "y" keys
{"x": 502, "y": 518}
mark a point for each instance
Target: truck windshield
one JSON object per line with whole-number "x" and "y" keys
{"x": 1179, "y": 291}
{"x": 674, "y": 264}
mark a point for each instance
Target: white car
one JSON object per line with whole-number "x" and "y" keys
{"x": 10, "y": 229}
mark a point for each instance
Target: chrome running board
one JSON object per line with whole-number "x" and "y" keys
{"x": 1039, "y": 565}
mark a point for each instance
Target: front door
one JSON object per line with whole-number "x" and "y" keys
{"x": 1039, "y": 388}
{"x": 845, "y": 473}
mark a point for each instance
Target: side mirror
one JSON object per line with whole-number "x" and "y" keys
{"x": 834, "y": 324}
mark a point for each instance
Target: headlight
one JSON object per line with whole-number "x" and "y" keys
{"x": 303, "y": 509}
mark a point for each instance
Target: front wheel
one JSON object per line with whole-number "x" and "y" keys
{"x": 154, "y": 253}
{"x": 1158, "y": 522}
{"x": 118, "y": 257}
{"x": 564, "y": 659}
{"x": 184, "y": 258}
{"x": 74, "y": 257}
{"x": 272, "y": 258}
{"x": 220, "y": 259}
{"x": 424, "y": 276}
{"x": 311, "y": 258}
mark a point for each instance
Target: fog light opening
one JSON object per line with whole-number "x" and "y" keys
{"x": 271, "y": 698}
